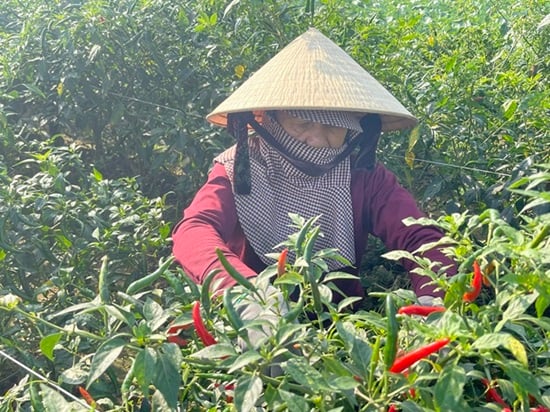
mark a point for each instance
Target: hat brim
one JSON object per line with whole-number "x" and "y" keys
{"x": 313, "y": 73}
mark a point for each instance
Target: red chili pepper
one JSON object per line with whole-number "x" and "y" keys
{"x": 178, "y": 340}
{"x": 392, "y": 408}
{"x": 475, "y": 285}
{"x": 281, "y": 263}
{"x": 539, "y": 408}
{"x": 205, "y": 336}
{"x": 174, "y": 329}
{"x": 86, "y": 396}
{"x": 492, "y": 395}
{"x": 409, "y": 358}
{"x": 419, "y": 310}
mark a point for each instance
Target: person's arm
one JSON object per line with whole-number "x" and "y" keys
{"x": 388, "y": 204}
{"x": 209, "y": 223}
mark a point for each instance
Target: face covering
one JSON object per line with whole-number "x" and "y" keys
{"x": 278, "y": 188}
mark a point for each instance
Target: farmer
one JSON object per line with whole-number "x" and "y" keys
{"x": 306, "y": 126}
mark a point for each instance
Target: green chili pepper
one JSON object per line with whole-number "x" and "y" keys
{"x": 175, "y": 283}
{"x": 308, "y": 247}
{"x": 103, "y": 285}
{"x": 375, "y": 357}
{"x": 232, "y": 314}
{"x": 390, "y": 349}
{"x": 145, "y": 281}
{"x": 291, "y": 315}
{"x": 125, "y": 386}
{"x": 241, "y": 280}
{"x": 302, "y": 235}
{"x": 317, "y": 304}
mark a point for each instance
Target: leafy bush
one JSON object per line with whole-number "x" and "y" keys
{"x": 59, "y": 217}
{"x": 319, "y": 355}
{"x": 102, "y": 109}
{"x": 134, "y": 80}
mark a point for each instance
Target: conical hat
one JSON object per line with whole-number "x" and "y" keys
{"x": 313, "y": 73}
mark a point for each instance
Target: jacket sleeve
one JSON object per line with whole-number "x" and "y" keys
{"x": 387, "y": 203}
{"x": 210, "y": 222}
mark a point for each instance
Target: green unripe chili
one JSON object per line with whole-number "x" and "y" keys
{"x": 125, "y": 387}
{"x": 291, "y": 315}
{"x": 308, "y": 247}
{"x": 103, "y": 285}
{"x": 232, "y": 314}
{"x": 390, "y": 349}
{"x": 241, "y": 280}
{"x": 302, "y": 235}
{"x": 148, "y": 280}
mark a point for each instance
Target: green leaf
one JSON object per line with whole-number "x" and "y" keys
{"x": 294, "y": 403}
{"x": 289, "y": 278}
{"x": 245, "y": 359}
{"x": 523, "y": 378}
{"x": 106, "y": 354}
{"x": 505, "y": 340}
{"x": 398, "y": 255}
{"x": 509, "y": 107}
{"x": 52, "y": 400}
{"x": 75, "y": 375}
{"x": 154, "y": 314}
{"x": 303, "y": 373}
{"x": 449, "y": 388}
{"x": 216, "y": 351}
{"x": 338, "y": 275}
{"x": 491, "y": 341}
{"x": 518, "y": 305}
{"x": 47, "y": 344}
{"x": 144, "y": 367}
{"x": 167, "y": 373}
{"x": 247, "y": 392}
{"x": 287, "y": 331}
{"x": 359, "y": 350}
{"x": 518, "y": 350}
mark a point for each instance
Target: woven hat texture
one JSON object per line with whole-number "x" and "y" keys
{"x": 313, "y": 73}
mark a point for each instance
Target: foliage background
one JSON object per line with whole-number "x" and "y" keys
{"x": 103, "y": 139}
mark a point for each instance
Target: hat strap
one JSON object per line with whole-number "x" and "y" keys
{"x": 237, "y": 126}
{"x": 303, "y": 166}
{"x": 372, "y": 128}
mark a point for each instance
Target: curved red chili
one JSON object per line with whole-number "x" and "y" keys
{"x": 281, "y": 263}
{"x": 409, "y": 358}
{"x": 475, "y": 285}
{"x": 86, "y": 396}
{"x": 419, "y": 310}
{"x": 205, "y": 336}
{"x": 178, "y": 340}
{"x": 492, "y": 395}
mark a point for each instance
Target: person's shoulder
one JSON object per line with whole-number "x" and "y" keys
{"x": 228, "y": 155}
{"x": 377, "y": 172}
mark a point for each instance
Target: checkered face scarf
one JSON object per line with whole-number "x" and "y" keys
{"x": 279, "y": 188}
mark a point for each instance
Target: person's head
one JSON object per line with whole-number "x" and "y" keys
{"x": 318, "y": 128}
{"x": 312, "y": 75}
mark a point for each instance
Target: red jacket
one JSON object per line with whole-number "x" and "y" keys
{"x": 379, "y": 206}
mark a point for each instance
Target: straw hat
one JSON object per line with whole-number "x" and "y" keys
{"x": 313, "y": 73}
